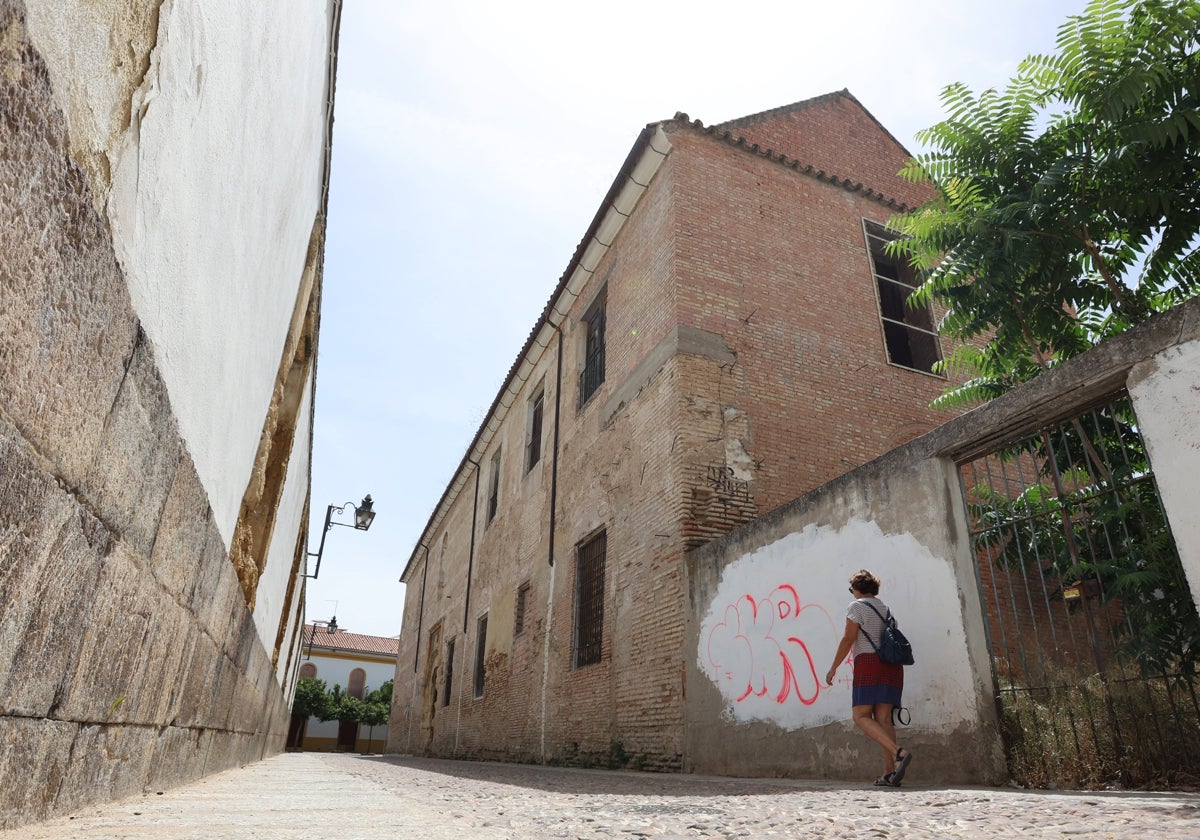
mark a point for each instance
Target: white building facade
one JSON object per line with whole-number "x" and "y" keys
{"x": 359, "y": 664}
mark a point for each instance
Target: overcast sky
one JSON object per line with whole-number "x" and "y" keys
{"x": 473, "y": 142}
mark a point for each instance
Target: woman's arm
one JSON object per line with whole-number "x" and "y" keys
{"x": 843, "y": 650}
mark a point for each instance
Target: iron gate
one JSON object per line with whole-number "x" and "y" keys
{"x": 1094, "y": 635}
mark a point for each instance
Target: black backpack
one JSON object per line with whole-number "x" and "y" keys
{"x": 893, "y": 647}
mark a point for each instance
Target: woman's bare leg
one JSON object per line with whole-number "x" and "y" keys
{"x": 883, "y": 716}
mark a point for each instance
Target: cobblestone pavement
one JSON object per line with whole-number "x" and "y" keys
{"x": 315, "y": 795}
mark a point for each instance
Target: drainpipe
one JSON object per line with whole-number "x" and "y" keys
{"x": 471, "y": 551}
{"x": 421, "y": 607}
{"x": 412, "y": 703}
{"x": 554, "y": 449}
{"x": 553, "y": 514}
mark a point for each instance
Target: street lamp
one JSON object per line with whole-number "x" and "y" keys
{"x": 330, "y": 627}
{"x": 363, "y": 517}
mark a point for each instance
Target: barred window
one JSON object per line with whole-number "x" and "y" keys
{"x": 519, "y": 611}
{"x": 592, "y": 375}
{"x": 494, "y": 491}
{"x": 449, "y": 672}
{"x": 589, "y": 600}
{"x": 533, "y": 449}
{"x": 908, "y": 330}
{"x": 480, "y": 653}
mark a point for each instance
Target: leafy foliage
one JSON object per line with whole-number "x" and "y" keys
{"x": 1067, "y": 208}
{"x": 312, "y": 700}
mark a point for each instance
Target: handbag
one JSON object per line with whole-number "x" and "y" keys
{"x": 893, "y": 648}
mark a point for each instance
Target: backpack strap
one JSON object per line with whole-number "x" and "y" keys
{"x": 886, "y": 621}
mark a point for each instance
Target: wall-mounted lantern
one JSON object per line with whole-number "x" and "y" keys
{"x": 363, "y": 517}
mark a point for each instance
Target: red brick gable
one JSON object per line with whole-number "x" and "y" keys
{"x": 834, "y": 133}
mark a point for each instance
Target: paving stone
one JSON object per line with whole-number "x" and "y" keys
{"x": 305, "y": 795}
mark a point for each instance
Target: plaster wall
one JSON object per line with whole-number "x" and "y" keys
{"x": 1164, "y": 390}
{"x": 335, "y": 670}
{"x": 281, "y": 565}
{"x": 199, "y": 125}
{"x": 769, "y": 607}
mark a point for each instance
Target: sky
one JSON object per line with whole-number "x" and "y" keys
{"x": 473, "y": 142}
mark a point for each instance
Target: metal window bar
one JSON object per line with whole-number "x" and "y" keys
{"x": 533, "y": 450}
{"x": 592, "y": 375}
{"x": 480, "y": 653}
{"x": 494, "y": 489}
{"x": 589, "y": 600}
{"x": 519, "y": 610}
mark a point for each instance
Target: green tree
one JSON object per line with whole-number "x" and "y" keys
{"x": 311, "y": 700}
{"x": 337, "y": 697}
{"x": 1067, "y": 211}
{"x": 382, "y": 695}
{"x": 375, "y": 709}
{"x": 1067, "y": 208}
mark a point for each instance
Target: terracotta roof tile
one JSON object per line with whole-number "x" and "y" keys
{"x": 320, "y": 637}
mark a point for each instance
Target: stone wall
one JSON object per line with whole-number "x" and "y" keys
{"x": 131, "y": 658}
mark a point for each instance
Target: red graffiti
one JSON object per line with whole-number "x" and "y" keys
{"x": 759, "y": 647}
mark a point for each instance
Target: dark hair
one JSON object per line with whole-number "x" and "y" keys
{"x": 864, "y": 582}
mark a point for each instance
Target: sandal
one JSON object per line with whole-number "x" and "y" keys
{"x": 887, "y": 780}
{"x": 902, "y": 762}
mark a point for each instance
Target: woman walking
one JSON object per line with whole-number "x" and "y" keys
{"x": 877, "y": 685}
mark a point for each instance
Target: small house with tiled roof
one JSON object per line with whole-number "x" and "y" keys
{"x": 729, "y": 334}
{"x": 359, "y": 664}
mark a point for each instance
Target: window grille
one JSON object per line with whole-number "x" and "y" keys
{"x": 533, "y": 452}
{"x": 908, "y": 331}
{"x": 480, "y": 653}
{"x": 589, "y": 600}
{"x": 592, "y": 375}
{"x": 519, "y": 612}
{"x": 494, "y": 490}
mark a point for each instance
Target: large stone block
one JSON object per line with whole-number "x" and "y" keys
{"x": 183, "y": 531}
{"x": 217, "y": 588}
{"x": 67, "y": 326}
{"x": 107, "y": 762}
{"x": 196, "y": 704}
{"x": 178, "y": 757}
{"x": 135, "y": 465}
{"x": 125, "y": 666}
{"x": 52, "y": 554}
{"x": 34, "y": 755}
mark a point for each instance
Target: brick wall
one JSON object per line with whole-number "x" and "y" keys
{"x": 745, "y": 364}
{"x": 775, "y": 263}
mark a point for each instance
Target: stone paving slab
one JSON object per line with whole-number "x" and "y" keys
{"x": 315, "y": 795}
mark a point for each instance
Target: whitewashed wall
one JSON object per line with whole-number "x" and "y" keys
{"x": 215, "y": 186}
{"x": 272, "y": 586}
{"x": 1165, "y": 391}
{"x": 774, "y": 624}
{"x": 335, "y": 670}
{"x": 770, "y": 605}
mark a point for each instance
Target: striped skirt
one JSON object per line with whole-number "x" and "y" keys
{"x": 876, "y": 682}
